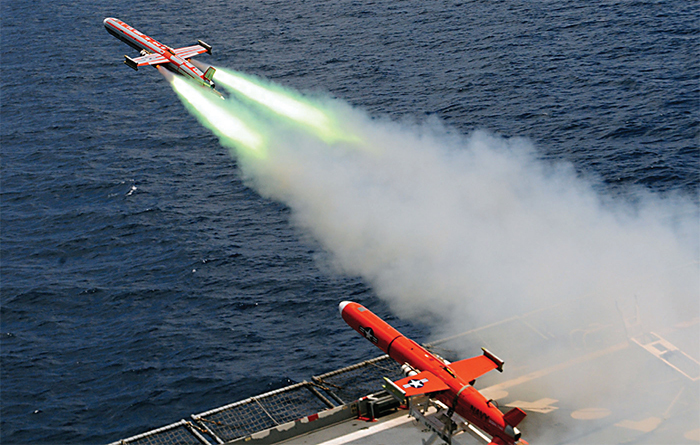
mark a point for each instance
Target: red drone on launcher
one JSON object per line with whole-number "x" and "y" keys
{"x": 448, "y": 383}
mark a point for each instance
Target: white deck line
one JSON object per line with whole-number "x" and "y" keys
{"x": 369, "y": 431}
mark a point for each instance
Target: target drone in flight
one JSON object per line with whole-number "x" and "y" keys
{"x": 157, "y": 54}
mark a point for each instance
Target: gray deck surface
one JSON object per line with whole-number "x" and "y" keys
{"x": 396, "y": 428}
{"x": 613, "y": 383}
{"x": 609, "y": 379}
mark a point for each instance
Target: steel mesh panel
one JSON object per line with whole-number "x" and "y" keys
{"x": 262, "y": 412}
{"x": 356, "y": 381}
{"x": 268, "y": 410}
{"x": 175, "y": 434}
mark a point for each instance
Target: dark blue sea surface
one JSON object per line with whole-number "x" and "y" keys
{"x": 142, "y": 281}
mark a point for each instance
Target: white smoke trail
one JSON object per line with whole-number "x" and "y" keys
{"x": 478, "y": 227}
{"x": 461, "y": 231}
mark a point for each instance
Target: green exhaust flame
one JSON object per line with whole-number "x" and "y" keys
{"x": 263, "y": 117}
{"x": 220, "y": 118}
{"x": 284, "y": 103}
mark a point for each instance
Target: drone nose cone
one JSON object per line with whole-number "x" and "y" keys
{"x": 342, "y": 305}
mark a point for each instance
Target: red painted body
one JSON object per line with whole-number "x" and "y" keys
{"x": 156, "y": 54}
{"x": 458, "y": 394}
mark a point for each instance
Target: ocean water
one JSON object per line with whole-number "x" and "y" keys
{"x": 142, "y": 280}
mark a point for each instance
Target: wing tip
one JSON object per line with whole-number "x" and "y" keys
{"x": 491, "y": 356}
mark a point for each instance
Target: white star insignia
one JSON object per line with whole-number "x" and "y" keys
{"x": 415, "y": 383}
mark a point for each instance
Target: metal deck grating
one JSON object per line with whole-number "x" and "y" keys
{"x": 246, "y": 417}
{"x": 261, "y": 412}
{"x": 349, "y": 384}
{"x": 180, "y": 433}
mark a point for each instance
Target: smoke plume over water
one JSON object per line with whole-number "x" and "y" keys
{"x": 460, "y": 231}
